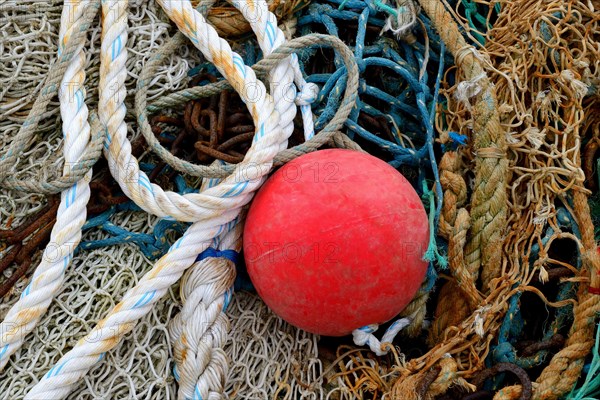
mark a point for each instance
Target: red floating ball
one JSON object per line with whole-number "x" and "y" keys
{"x": 334, "y": 241}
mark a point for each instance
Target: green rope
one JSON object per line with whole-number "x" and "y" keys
{"x": 432, "y": 252}
{"x": 384, "y": 7}
{"x": 591, "y": 386}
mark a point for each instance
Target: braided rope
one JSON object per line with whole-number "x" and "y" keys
{"x": 489, "y": 205}
{"x": 559, "y": 377}
{"x": 71, "y": 215}
{"x": 454, "y": 305}
{"x": 200, "y": 329}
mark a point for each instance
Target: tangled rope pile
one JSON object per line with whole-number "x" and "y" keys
{"x": 541, "y": 109}
{"x": 112, "y": 94}
{"x": 507, "y": 198}
{"x": 209, "y": 221}
{"x": 531, "y": 140}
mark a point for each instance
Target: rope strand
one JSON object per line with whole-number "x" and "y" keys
{"x": 48, "y": 277}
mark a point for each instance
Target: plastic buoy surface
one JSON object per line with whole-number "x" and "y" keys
{"x": 334, "y": 241}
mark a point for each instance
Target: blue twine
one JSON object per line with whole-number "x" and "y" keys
{"x": 153, "y": 245}
{"x": 408, "y": 96}
{"x": 229, "y": 254}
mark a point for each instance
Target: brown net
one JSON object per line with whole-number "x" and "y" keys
{"x": 527, "y": 99}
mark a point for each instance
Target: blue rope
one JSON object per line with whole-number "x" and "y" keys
{"x": 153, "y": 245}
{"x": 409, "y": 100}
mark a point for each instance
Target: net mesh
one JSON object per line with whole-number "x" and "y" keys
{"x": 268, "y": 356}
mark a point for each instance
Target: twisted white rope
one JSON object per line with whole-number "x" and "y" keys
{"x": 200, "y": 366}
{"x": 71, "y": 215}
{"x": 364, "y": 336}
{"x": 113, "y": 72}
{"x": 236, "y": 189}
{"x": 281, "y": 78}
{"x": 264, "y": 24}
{"x": 199, "y": 331}
{"x": 211, "y": 210}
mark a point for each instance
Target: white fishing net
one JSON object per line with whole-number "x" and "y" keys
{"x": 269, "y": 358}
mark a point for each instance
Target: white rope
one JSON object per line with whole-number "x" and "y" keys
{"x": 364, "y": 336}
{"x": 200, "y": 330}
{"x": 48, "y": 277}
{"x": 281, "y": 78}
{"x": 236, "y": 189}
{"x": 201, "y": 368}
{"x": 198, "y": 362}
{"x": 113, "y": 72}
{"x": 193, "y": 369}
{"x": 211, "y": 210}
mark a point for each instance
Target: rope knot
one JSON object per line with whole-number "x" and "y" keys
{"x": 307, "y": 94}
{"x": 401, "y": 22}
{"x": 364, "y": 336}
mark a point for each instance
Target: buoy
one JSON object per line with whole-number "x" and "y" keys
{"x": 334, "y": 241}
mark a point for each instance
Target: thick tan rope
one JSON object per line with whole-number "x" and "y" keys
{"x": 488, "y": 203}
